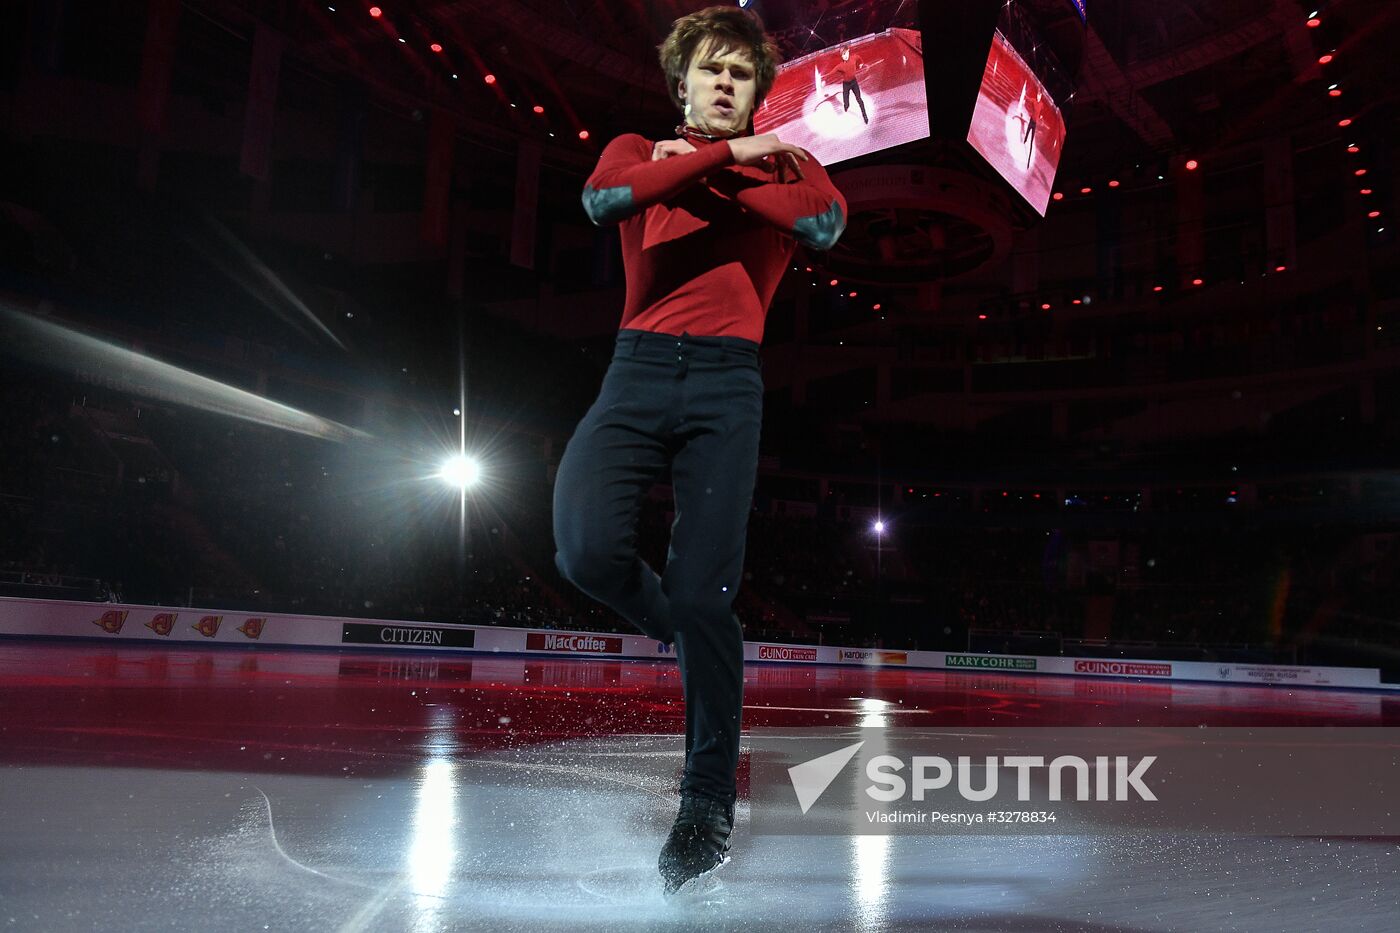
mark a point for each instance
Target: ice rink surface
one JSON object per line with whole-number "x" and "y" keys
{"x": 150, "y": 788}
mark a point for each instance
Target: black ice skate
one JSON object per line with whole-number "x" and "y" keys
{"x": 698, "y": 843}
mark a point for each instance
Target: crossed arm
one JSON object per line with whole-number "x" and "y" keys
{"x": 629, "y": 179}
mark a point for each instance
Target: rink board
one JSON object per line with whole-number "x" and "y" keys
{"x": 131, "y": 623}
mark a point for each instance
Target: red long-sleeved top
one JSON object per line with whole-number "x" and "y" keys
{"x": 846, "y": 69}
{"x": 705, "y": 241}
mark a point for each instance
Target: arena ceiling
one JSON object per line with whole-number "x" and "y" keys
{"x": 1151, "y": 78}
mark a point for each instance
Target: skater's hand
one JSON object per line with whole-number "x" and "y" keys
{"x": 669, "y": 147}
{"x": 751, "y": 150}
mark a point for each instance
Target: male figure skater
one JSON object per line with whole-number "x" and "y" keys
{"x": 846, "y": 71}
{"x": 1029, "y": 122}
{"x": 708, "y": 223}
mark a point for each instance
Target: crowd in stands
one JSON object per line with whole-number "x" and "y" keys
{"x": 67, "y": 509}
{"x": 220, "y": 513}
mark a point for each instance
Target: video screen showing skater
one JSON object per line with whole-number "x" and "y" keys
{"x": 850, "y": 98}
{"x": 1016, "y": 125}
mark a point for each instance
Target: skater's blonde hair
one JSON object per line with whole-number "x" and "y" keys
{"x": 729, "y": 28}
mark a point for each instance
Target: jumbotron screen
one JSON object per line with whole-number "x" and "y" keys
{"x": 1016, "y": 126}
{"x": 850, "y": 98}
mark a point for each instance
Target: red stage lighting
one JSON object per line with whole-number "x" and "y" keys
{"x": 1314, "y": 22}
{"x": 1359, "y": 172}
{"x": 875, "y": 307}
{"x": 1156, "y": 288}
{"x": 1323, "y": 60}
{"x": 1344, "y": 121}
{"x": 1280, "y": 268}
{"x": 376, "y": 12}
{"x": 1085, "y": 190}
{"x": 1353, "y": 148}
{"x": 1058, "y": 195}
{"x": 489, "y": 79}
{"x": 1113, "y": 183}
{"x": 1335, "y": 92}
{"x": 1045, "y": 306}
{"x": 1196, "y": 281}
{"x": 851, "y": 295}
{"x": 1192, "y": 165}
{"x": 538, "y": 109}
{"x": 583, "y": 134}
{"x": 981, "y": 317}
{"x": 435, "y": 47}
{"x": 833, "y": 281}
{"x": 1374, "y": 214}
{"x": 1365, "y": 190}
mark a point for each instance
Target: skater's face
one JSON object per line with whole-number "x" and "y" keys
{"x": 845, "y": 55}
{"x": 720, "y": 87}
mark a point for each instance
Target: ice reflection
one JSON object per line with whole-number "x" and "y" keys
{"x": 870, "y": 877}
{"x": 432, "y": 854}
{"x": 874, "y": 712}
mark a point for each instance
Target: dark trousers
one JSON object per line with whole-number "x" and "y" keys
{"x": 846, "y": 88}
{"x": 696, "y": 403}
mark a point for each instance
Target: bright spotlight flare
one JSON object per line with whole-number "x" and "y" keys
{"x": 460, "y": 472}
{"x": 47, "y": 343}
